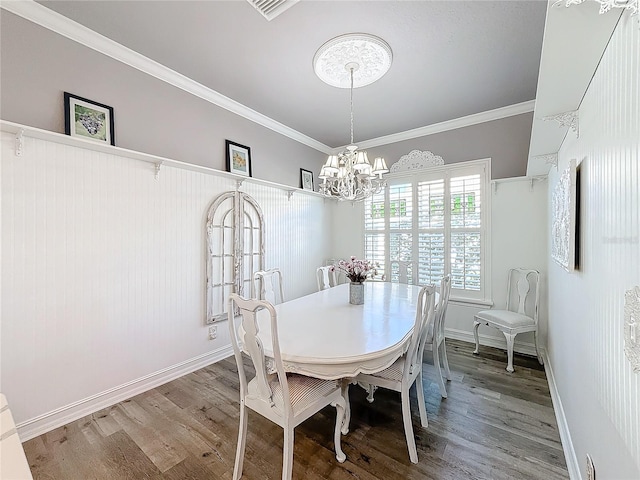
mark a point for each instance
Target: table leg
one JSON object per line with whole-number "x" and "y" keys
{"x": 347, "y": 409}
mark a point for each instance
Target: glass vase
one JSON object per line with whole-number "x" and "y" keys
{"x": 356, "y": 293}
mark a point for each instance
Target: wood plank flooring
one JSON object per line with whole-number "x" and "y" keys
{"x": 493, "y": 425}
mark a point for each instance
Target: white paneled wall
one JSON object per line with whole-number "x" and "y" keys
{"x": 600, "y": 393}
{"x": 103, "y": 274}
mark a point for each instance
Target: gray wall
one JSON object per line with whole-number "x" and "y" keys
{"x": 505, "y": 141}
{"x": 37, "y": 66}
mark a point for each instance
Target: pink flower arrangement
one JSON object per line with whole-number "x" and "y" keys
{"x": 356, "y": 270}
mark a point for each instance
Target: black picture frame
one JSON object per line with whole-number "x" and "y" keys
{"x": 306, "y": 180}
{"x": 238, "y": 158}
{"x": 91, "y": 120}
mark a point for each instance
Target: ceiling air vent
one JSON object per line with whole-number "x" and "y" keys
{"x": 270, "y": 9}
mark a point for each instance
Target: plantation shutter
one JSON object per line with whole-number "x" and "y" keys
{"x": 429, "y": 223}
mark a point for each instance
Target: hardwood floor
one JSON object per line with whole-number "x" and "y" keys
{"x": 493, "y": 425}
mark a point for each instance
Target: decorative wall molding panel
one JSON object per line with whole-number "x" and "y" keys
{"x": 416, "y": 160}
{"x": 632, "y": 327}
{"x": 563, "y": 229}
{"x": 566, "y": 119}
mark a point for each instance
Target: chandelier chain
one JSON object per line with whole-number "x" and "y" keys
{"x": 348, "y": 175}
{"x": 351, "y": 105}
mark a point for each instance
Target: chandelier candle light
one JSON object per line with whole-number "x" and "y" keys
{"x": 349, "y": 175}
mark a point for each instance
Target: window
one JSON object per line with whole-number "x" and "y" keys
{"x": 431, "y": 222}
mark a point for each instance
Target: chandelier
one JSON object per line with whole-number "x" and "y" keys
{"x": 349, "y": 175}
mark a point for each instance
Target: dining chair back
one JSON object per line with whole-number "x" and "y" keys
{"x": 520, "y": 314}
{"x": 285, "y": 399}
{"x": 407, "y": 370}
{"x": 436, "y": 337}
{"x": 402, "y": 271}
{"x": 267, "y": 285}
{"x": 326, "y": 277}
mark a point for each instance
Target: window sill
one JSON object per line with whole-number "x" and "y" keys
{"x": 471, "y": 302}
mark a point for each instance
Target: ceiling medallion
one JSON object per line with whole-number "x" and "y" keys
{"x": 351, "y": 61}
{"x": 371, "y": 54}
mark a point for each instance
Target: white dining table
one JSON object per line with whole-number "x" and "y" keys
{"x": 324, "y": 336}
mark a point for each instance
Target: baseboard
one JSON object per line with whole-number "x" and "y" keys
{"x": 489, "y": 341}
{"x": 565, "y": 435}
{"x": 61, "y": 416}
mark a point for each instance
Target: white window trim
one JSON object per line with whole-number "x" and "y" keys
{"x": 447, "y": 171}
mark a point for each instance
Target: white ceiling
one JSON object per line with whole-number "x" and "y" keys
{"x": 450, "y": 58}
{"x": 565, "y": 72}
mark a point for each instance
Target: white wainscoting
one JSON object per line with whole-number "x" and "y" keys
{"x": 599, "y": 391}
{"x": 103, "y": 274}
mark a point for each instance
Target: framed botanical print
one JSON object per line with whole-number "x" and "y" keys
{"x": 88, "y": 119}
{"x": 306, "y": 179}
{"x": 238, "y": 158}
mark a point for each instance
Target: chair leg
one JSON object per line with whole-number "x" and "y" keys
{"x": 436, "y": 362}
{"x": 287, "y": 454}
{"x": 535, "y": 341}
{"x": 408, "y": 427}
{"x": 510, "y": 340}
{"x": 445, "y": 360}
{"x": 372, "y": 390}
{"x": 421, "y": 403}
{"x": 347, "y": 407}
{"x": 340, "y": 416}
{"x": 242, "y": 441}
{"x": 476, "y": 324}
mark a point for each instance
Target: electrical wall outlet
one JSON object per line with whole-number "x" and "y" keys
{"x": 591, "y": 469}
{"x": 213, "y": 333}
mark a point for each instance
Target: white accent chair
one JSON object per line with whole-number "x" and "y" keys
{"x": 407, "y": 370}
{"x": 267, "y": 285}
{"x": 435, "y": 336}
{"x": 520, "y": 314}
{"x": 285, "y": 399}
{"x": 326, "y": 278}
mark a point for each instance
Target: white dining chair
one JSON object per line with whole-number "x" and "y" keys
{"x": 407, "y": 370}
{"x": 285, "y": 399}
{"x": 267, "y": 285}
{"x": 435, "y": 336}
{"x": 326, "y": 277}
{"x": 403, "y": 270}
{"x": 520, "y": 314}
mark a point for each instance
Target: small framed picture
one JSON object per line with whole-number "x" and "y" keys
{"x": 306, "y": 179}
{"x": 238, "y": 158}
{"x": 88, "y": 119}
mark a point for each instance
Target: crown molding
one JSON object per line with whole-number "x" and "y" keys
{"x": 41, "y": 15}
{"x": 66, "y": 27}
{"x": 461, "y": 122}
